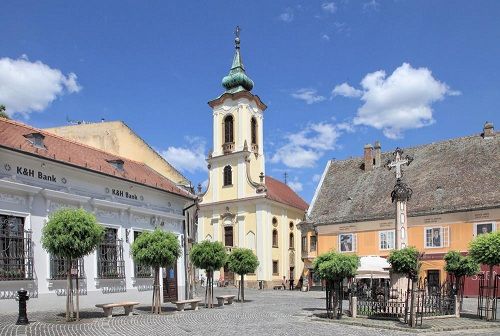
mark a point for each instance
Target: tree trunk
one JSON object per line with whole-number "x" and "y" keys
{"x": 156, "y": 292}
{"x": 77, "y": 298}
{"x": 68, "y": 293}
{"x": 412, "y": 304}
{"x": 242, "y": 285}
{"x": 490, "y": 295}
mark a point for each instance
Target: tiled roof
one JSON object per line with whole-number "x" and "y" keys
{"x": 282, "y": 193}
{"x": 76, "y": 154}
{"x": 455, "y": 175}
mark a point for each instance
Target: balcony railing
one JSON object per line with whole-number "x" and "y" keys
{"x": 228, "y": 147}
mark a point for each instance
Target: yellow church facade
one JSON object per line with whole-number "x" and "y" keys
{"x": 241, "y": 206}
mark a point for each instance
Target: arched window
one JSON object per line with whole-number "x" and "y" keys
{"x": 292, "y": 243}
{"x": 253, "y": 122}
{"x": 275, "y": 238}
{"x": 228, "y": 176}
{"x": 228, "y": 129}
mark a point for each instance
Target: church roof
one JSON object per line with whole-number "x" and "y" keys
{"x": 454, "y": 175}
{"x": 15, "y": 137}
{"x": 282, "y": 193}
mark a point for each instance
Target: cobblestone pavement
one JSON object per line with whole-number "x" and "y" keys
{"x": 265, "y": 313}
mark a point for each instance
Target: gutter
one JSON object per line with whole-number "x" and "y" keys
{"x": 187, "y": 292}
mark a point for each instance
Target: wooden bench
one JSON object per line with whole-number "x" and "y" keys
{"x": 181, "y": 303}
{"x": 223, "y": 298}
{"x": 108, "y": 307}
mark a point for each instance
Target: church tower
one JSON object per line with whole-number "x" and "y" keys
{"x": 242, "y": 207}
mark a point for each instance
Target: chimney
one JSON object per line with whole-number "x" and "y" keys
{"x": 368, "y": 158}
{"x": 488, "y": 130}
{"x": 377, "y": 159}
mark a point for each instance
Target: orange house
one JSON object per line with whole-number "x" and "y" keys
{"x": 456, "y": 196}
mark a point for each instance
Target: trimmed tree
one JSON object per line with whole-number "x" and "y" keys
{"x": 242, "y": 261}
{"x": 334, "y": 267}
{"x": 3, "y": 112}
{"x": 209, "y": 256}
{"x": 407, "y": 261}
{"x": 485, "y": 249}
{"x": 156, "y": 249}
{"x": 459, "y": 267}
{"x": 71, "y": 234}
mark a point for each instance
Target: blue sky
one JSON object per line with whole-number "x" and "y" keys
{"x": 335, "y": 75}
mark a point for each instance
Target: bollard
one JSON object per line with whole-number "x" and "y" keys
{"x": 22, "y": 297}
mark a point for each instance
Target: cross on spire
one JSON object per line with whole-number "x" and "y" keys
{"x": 285, "y": 175}
{"x": 237, "y": 32}
{"x": 398, "y": 162}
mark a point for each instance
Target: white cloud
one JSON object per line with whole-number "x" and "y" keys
{"x": 401, "y": 101}
{"x": 346, "y": 90}
{"x": 295, "y": 185}
{"x": 329, "y": 7}
{"x": 325, "y": 37}
{"x": 316, "y": 178}
{"x": 190, "y": 158}
{"x": 310, "y": 96}
{"x": 371, "y": 5}
{"x": 27, "y": 87}
{"x": 305, "y": 148}
{"x": 287, "y": 15}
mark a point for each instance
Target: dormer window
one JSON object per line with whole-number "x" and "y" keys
{"x": 36, "y": 139}
{"x": 117, "y": 164}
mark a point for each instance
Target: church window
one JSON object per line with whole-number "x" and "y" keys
{"x": 275, "y": 238}
{"x": 291, "y": 243}
{"x": 254, "y": 131}
{"x": 228, "y": 129}
{"x": 276, "y": 270}
{"x": 228, "y": 236}
{"x": 228, "y": 176}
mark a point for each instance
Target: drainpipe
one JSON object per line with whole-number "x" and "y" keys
{"x": 186, "y": 240}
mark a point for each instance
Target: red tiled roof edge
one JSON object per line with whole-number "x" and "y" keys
{"x": 82, "y": 155}
{"x": 282, "y": 193}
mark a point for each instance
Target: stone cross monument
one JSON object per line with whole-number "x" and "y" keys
{"x": 400, "y": 195}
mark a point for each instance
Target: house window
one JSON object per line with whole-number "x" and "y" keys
{"x": 228, "y": 129}
{"x": 59, "y": 268}
{"x": 228, "y": 176}
{"x": 36, "y": 139}
{"x": 436, "y": 237}
{"x": 141, "y": 271}
{"x": 304, "y": 244}
{"x": 347, "y": 242}
{"x": 16, "y": 255}
{"x": 254, "y": 131}
{"x": 275, "y": 238}
{"x": 110, "y": 263}
{"x": 482, "y": 228}
{"x": 228, "y": 236}
{"x": 386, "y": 240}
{"x": 312, "y": 243}
{"x": 117, "y": 164}
{"x": 275, "y": 267}
{"x": 291, "y": 242}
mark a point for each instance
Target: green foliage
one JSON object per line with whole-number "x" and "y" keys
{"x": 156, "y": 249}
{"x": 71, "y": 233}
{"x": 485, "y": 249}
{"x": 3, "y": 113}
{"x": 459, "y": 265}
{"x": 336, "y": 266}
{"x": 242, "y": 261}
{"x": 406, "y": 261}
{"x": 208, "y": 255}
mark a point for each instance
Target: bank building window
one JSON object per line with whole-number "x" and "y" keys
{"x": 141, "y": 271}
{"x": 386, "y": 240}
{"x": 16, "y": 253}
{"x": 228, "y": 176}
{"x": 59, "y": 268}
{"x": 110, "y": 263}
{"x": 36, "y": 139}
{"x": 437, "y": 237}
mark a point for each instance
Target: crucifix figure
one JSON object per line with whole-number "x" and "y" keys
{"x": 400, "y": 195}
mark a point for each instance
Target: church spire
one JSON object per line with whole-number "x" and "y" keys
{"x": 237, "y": 80}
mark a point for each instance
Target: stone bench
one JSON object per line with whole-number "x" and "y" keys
{"x": 279, "y": 287}
{"x": 181, "y": 303}
{"x": 223, "y": 298}
{"x": 108, "y": 307}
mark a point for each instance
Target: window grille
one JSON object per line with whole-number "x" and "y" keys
{"x": 386, "y": 240}
{"x": 59, "y": 268}
{"x": 141, "y": 271}
{"x": 16, "y": 249}
{"x": 110, "y": 263}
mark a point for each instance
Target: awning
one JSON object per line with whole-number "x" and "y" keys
{"x": 373, "y": 267}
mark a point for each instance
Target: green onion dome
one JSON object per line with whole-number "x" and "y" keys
{"x": 237, "y": 80}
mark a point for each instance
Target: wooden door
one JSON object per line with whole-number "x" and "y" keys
{"x": 170, "y": 284}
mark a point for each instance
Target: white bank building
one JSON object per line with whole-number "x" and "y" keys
{"x": 41, "y": 173}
